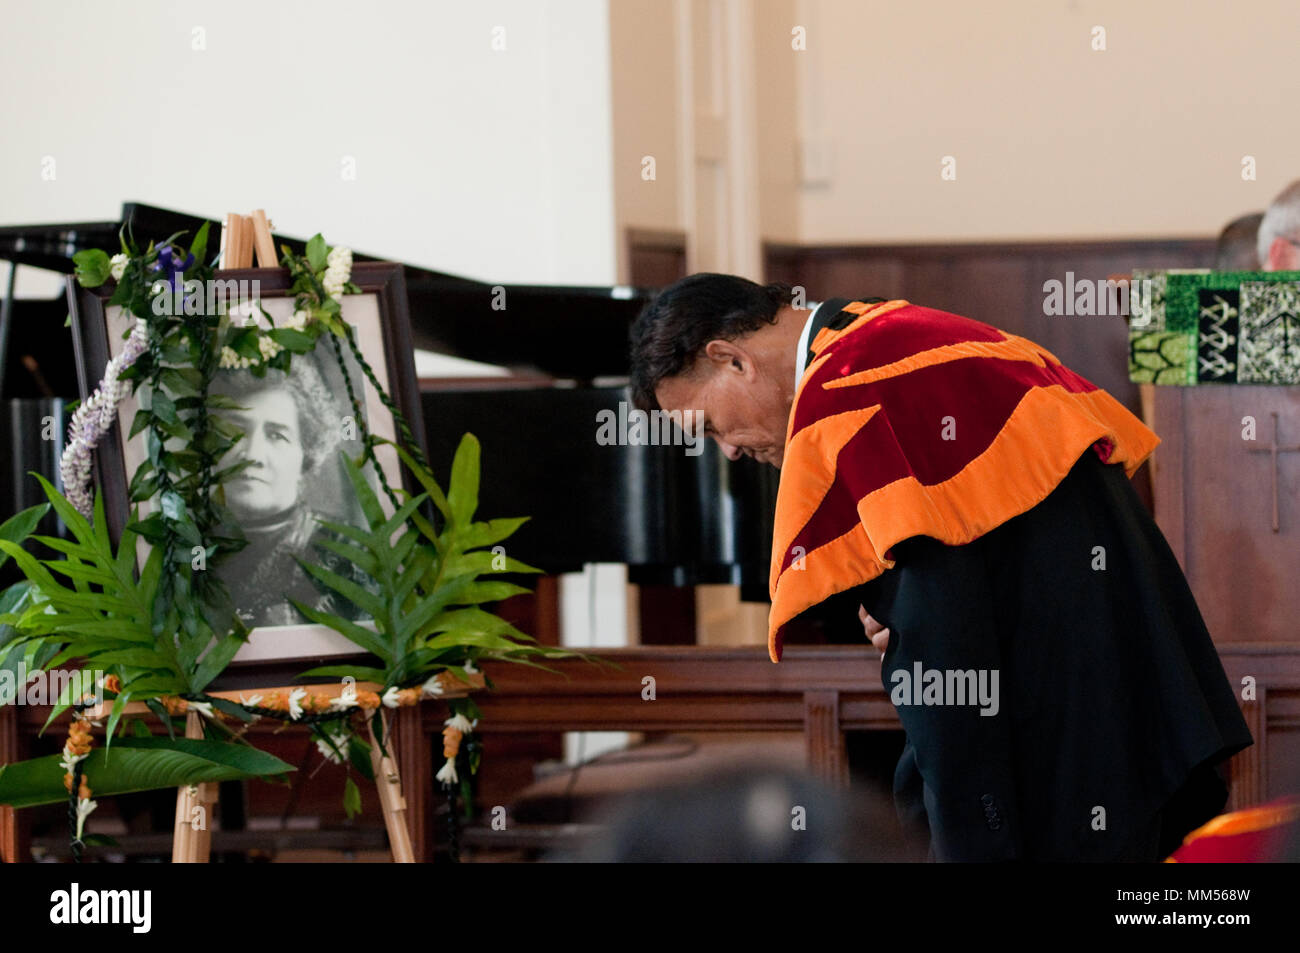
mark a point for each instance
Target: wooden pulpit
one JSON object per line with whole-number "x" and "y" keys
{"x": 1226, "y": 481}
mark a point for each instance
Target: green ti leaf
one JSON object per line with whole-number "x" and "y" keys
{"x": 317, "y": 252}
{"x": 462, "y": 491}
{"x": 351, "y": 798}
{"x": 137, "y": 764}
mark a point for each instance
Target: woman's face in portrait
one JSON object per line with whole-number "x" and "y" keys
{"x": 273, "y": 442}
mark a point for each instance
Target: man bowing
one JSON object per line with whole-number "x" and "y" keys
{"x": 1060, "y": 694}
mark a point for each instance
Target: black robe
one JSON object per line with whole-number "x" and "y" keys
{"x": 1113, "y": 707}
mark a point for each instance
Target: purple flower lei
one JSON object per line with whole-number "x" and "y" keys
{"x": 92, "y": 420}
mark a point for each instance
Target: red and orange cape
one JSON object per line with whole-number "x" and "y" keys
{"x": 916, "y": 422}
{"x": 1258, "y": 834}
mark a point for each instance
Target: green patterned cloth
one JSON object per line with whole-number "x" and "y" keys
{"x": 1204, "y": 327}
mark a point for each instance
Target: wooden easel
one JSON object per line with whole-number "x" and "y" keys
{"x": 192, "y": 842}
{"x": 242, "y": 235}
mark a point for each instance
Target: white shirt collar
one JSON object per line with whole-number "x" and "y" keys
{"x": 801, "y": 359}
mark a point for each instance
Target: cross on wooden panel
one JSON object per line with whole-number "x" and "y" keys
{"x": 1274, "y": 449}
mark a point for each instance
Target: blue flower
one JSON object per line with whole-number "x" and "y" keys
{"x": 171, "y": 268}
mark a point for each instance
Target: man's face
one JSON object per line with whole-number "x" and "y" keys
{"x": 735, "y": 404}
{"x": 1283, "y": 255}
{"x": 273, "y": 442}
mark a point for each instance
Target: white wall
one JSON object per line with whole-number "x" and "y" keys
{"x": 485, "y": 162}
{"x": 1052, "y": 139}
{"x": 492, "y": 164}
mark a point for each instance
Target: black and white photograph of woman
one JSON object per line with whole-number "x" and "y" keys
{"x": 294, "y": 427}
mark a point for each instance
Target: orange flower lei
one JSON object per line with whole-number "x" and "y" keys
{"x": 78, "y": 745}
{"x": 451, "y": 736}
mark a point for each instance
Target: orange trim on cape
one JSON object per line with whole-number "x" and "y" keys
{"x": 1247, "y": 820}
{"x": 1250, "y": 820}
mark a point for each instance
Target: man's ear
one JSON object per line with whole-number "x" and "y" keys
{"x": 730, "y": 355}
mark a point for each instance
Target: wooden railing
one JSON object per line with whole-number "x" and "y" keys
{"x": 822, "y": 691}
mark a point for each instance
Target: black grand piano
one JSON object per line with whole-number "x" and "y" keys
{"x": 674, "y": 519}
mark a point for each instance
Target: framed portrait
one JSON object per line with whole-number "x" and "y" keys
{"x": 294, "y": 427}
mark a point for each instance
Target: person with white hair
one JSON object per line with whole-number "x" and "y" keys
{"x": 1278, "y": 242}
{"x": 1236, "y": 248}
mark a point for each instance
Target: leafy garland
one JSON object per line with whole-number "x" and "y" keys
{"x": 169, "y": 632}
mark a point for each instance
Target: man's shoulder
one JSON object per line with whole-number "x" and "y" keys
{"x": 895, "y": 330}
{"x": 903, "y": 317}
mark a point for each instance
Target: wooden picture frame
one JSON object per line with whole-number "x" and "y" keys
{"x": 381, "y": 316}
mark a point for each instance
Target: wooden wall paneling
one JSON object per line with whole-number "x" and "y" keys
{"x": 929, "y": 282}
{"x": 1249, "y": 770}
{"x": 655, "y": 258}
{"x": 13, "y": 828}
{"x": 1282, "y": 718}
{"x": 1270, "y": 768}
{"x": 999, "y": 288}
{"x": 1094, "y": 345}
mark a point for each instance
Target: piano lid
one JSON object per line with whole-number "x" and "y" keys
{"x": 52, "y": 246}
{"x": 578, "y": 332}
{"x": 674, "y": 518}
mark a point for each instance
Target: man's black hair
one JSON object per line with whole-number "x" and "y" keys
{"x": 673, "y": 329}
